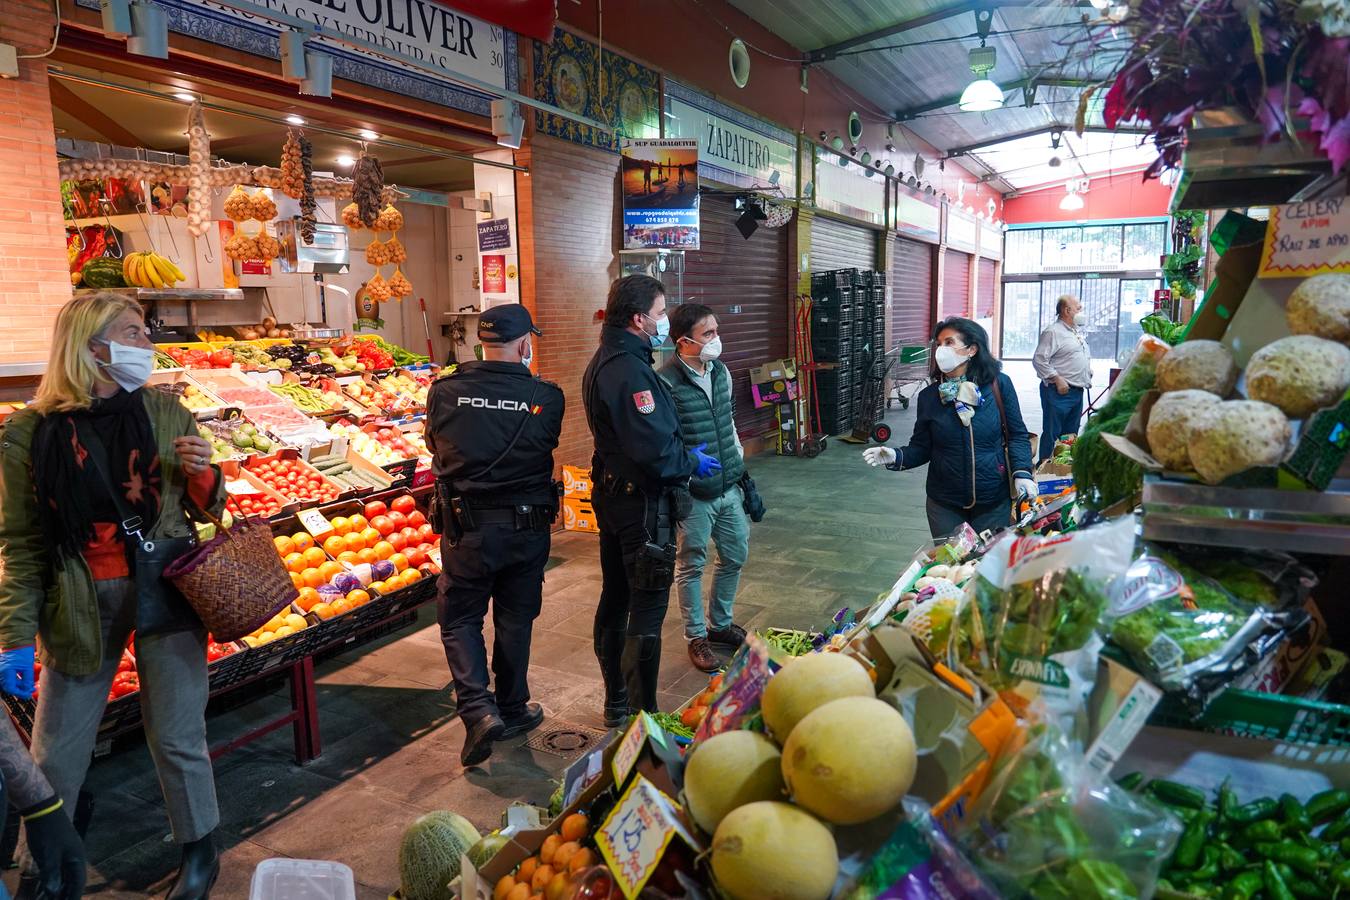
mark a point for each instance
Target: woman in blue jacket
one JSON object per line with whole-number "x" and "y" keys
{"x": 958, "y": 433}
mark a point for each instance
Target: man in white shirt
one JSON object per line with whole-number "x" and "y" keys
{"x": 1064, "y": 366}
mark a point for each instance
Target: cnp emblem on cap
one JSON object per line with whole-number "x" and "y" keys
{"x": 505, "y": 323}
{"x": 645, "y": 402}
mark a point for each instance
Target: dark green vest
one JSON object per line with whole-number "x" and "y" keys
{"x": 704, "y": 422}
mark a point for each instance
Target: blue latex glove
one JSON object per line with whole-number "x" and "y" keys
{"x": 16, "y": 672}
{"x": 706, "y": 464}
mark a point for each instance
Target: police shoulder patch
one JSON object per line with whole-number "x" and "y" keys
{"x": 645, "y": 402}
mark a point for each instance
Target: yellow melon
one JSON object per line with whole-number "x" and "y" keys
{"x": 730, "y": 770}
{"x": 809, "y": 682}
{"x": 774, "y": 851}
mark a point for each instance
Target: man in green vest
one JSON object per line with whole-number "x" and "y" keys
{"x": 701, "y": 386}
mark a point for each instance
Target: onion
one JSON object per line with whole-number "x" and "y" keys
{"x": 274, "y": 332}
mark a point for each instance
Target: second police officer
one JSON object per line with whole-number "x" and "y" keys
{"x": 492, "y": 427}
{"x": 641, "y": 473}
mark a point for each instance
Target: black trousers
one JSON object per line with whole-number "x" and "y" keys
{"x": 506, "y": 566}
{"x": 627, "y": 522}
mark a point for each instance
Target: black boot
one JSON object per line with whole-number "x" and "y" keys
{"x": 198, "y": 871}
{"x": 641, "y": 665}
{"x": 609, "y": 651}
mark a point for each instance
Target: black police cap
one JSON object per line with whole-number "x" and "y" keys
{"x": 505, "y": 323}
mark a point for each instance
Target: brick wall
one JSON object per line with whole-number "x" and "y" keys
{"x": 567, "y": 211}
{"x": 34, "y": 274}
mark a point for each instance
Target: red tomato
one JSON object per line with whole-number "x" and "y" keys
{"x": 415, "y": 558}
{"x": 383, "y": 525}
{"x": 426, "y": 532}
{"x": 398, "y": 540}
{"x": 376, "y": 508}
{"x": 416, "y": 519}
{"x": 408, "y": 532}
{"x": 222, "y": 359}
{"x": 399, "y": 519}
{"x": 403, "y": 504}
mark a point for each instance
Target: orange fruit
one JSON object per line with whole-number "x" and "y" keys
{"x": 582, "y": 859}
{"x": 359, "y": 522}
{"x": 358, "y": 597}
{"x": 315, "y": 557}
{"x": 329, "y": 569}
{"x": 367, "y": 555}
{"x": 521, "y": 891}
{"x": 285, "y": 546}
{"x": 340, "y": 606}
{"x": 549, "y": 847}
{"x": 334, "y": 545}
{"x": 378, "y": 587}
{"x": 399, "y": 560}
{"x": 411, "y": 575}
{"x": 296, "y": 579}
{"x": 302, "y": 540}
{"x": 349, "y": 557}
{"x": 371, "y": 536}
{"x": 526, "y": 870}
{"x": 355, "y": 541}
{"x": 295, "y": 562}
{"x": 313, "y": 578}
{"x": 542, "y": 876}
{"x": 307, "y": 599}
{"x": 341, "y": 525}
{"x": 322, "y": 610}
{"x": 575, "y": 827}
{"x": 384, "y": 550}
{"x": 504, "y": 885}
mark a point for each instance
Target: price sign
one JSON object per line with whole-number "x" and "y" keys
{"x": 314, "y": 522}
{"x": 239, "y": 486}
{"x": 1309, "y": 238}
{"x": 635, "y": 835}
{"x": 629, "y": 749}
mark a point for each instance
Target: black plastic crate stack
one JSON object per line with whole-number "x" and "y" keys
{"x": 848, "y": 328}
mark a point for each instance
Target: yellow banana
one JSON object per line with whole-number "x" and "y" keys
{"x": 132, "y": 269}
{"x": 177, "y": 272}
{"x": 162, "y": 269}
{"x": 148, "y": 266}
{"x": 126, "y": 268}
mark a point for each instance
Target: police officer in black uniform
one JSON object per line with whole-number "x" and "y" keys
{"x": 641, "y": 473}
{"x": 492, "y": 428}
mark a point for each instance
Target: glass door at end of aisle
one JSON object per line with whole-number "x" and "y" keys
{"x": 1113, "y": 307}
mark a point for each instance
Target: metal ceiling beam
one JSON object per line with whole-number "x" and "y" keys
{"x": 1032, "y": 132}
{"x": 905, "y": 115}
{"x": 830, "y": 51}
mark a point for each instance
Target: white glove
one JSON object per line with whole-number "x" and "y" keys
{"x": 879, "y": 456}
{"x": 1026, "y": 487}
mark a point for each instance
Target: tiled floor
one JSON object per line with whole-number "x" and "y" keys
{"x": 837, "y": 534}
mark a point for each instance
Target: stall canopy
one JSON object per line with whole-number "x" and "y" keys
{"x": 532, "y": 18}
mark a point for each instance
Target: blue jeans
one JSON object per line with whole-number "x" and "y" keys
{"x": 724, "y": 522}
{"x": 1060, "y": 415}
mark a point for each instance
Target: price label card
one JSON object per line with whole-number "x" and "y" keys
{"x": 635, "y": 835}
{"x": 629, "y": 749}
{"x": 1304, "y": 239}
{"x": 239, "y": 486}
{"x": 314, "y": 522}
{"x": 338, "y": 447}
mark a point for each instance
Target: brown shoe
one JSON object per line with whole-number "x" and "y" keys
{"x": 702, "y": 656}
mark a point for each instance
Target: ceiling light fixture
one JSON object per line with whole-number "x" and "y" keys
{"x": 294, "y": 120}
{"x": 345, "y": 161}
{"x": 368, "y": 135}
{"x": 1100, "y": 4}
{"x": 1073, "y": 200}
{"x": 837, "y": 142}
{"x": 982, "y": 94}
{"x": 184, "y": 96}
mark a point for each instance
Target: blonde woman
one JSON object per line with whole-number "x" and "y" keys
{"x": 91, "y": 475}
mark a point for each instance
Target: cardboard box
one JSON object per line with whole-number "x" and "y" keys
{"x": 578, "y": 515}
{"x": 1051, "y": 477}
{"x": 577, "y": 482}
{"x": 774, "y": 382}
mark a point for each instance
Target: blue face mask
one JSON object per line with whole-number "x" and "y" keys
{"x": 662, "y": 331}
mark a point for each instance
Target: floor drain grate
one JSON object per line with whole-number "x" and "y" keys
{"x": 566, "y": 740}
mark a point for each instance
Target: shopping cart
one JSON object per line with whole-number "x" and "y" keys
{"x": 910, "y": 356}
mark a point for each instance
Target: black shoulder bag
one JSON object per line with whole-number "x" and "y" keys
{"x": 160, "y": 606}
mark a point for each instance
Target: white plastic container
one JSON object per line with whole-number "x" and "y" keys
{"x": 302, "y": 879}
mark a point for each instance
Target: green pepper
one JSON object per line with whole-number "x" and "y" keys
{"x": 1177, "y": 794}
{"x": 1243, "y": 887}
{"x": 1295, "y": 816}
{"x": 1131, "y": 781}
{"x": 1300, "y": 859}
{"x": 1209, "y": 867}
{"x": 1337, "y": 829}
{"x": 1345, "y": 846}
{"x": 1327, "y": 805}
{"x": 1192, "y": 841}
{"x": 1265, "y": 831}
{"x": 1255, "y": 811}
{"x": 1227, "y": 801}
{"x": 1276, "y": 889}
{"x": 1230, "y": 859}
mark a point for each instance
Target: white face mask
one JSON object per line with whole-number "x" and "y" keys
{"x": 948, "y": 359}
{"x": 528, "y": 357}
{"x": 662, "y": 330}
{"x": 129, "y": 366}
{"x": 1079, "y": 319}
{"x": 709, "y": 351}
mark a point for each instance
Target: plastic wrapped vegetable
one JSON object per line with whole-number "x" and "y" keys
{"x": 1029, "y": 626}
{"x": 918, "y": 862}
{"x": 1185, "y": 632}
{"x": 1053, "y": 828}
